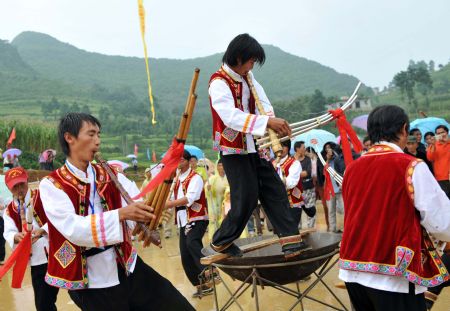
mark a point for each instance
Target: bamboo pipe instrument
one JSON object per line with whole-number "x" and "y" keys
{"x": 151, "y": 237}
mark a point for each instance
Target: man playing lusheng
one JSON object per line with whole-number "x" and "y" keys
{"x": 386, "y": 259}
{"x": 24, "y": 198}
{"x": 235, "y": 122}
{"x": 90, "y": 250}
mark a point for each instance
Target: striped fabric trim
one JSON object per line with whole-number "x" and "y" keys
{"x": 94, "y": 230}
{"x": 102, "y": 229}
{"x": 253, "y": 124}
{"x": 247, "y": 121}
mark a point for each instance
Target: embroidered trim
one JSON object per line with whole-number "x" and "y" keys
{"x": 230, "y": 134}
{"x": 230, "y": 150}
{"x": 102, "y": 229}
{"x": 131, "y": 259}
{"x": 293, "y": 239}
{"x": 253, "y": 124}
{"x": 94, "y": 230}
{"x": 403, "y": 259}
{"x": 62, "y": 283}
{"x": 65, "y": 254}
{"x": 247, "y": 121}
{"x": 408, "y": 178}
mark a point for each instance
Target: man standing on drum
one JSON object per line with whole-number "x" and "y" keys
{"x": 391, "y": 198}
{"x": 235, "y": 123}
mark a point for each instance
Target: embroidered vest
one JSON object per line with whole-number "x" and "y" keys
{"x": 199, "y": 209}
{"x": 225, "y": 138}
{"x": 295, "y": 194}
{"x": 67, "y": 261}
{"x": 38, "y": 210}
{"x": 382, "y": 227}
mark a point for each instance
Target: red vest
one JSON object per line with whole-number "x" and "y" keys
{"x": 67, "y": 262}
{"x": 38, "y": 210}
{"x": 295, "y": 194}
{"x": 225, "y": 138}
{"x": 199, "y": 209}
{"x": 382, "y": 231}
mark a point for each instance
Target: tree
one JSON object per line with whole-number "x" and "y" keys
{"x": 405, "y": 82}
{"x": 431, "y": 66}
{"x": 85, "y": 109}
{"x": 317, "y": 103}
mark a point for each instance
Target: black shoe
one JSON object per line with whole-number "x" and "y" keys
{"x": 233, "y": 250}
{"x": 204, "y": 291}
{"x": 295, "y": 249}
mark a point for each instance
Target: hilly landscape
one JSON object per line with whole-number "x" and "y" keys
{"x": 42, "y": 78}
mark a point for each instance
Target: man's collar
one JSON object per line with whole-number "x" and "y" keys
{"x": 237, "y": 77}
{"x": 392, "y": 145}
{"x": 185, "y": 174}
{"x": 27, "y": 198}
{"x": 79, "y": 173}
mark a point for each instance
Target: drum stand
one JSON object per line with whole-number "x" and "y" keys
{"x": 254, "y": 279}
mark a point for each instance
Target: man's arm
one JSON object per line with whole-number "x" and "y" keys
{"x": 431, "y": 202}
{"x": 193, "y": 193}
{"x": 11, "y": 232}
{"x": 89, "y": 231}
{"x": 294, "y": 175}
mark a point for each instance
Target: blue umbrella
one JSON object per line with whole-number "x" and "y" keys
{"x": 315, "y": 138}
{"x": 193, "y": 150}
{"x": 427, "y": 125}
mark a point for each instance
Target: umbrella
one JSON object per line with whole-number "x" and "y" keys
{"x": 12, "y": 152}
{"x": 361, "y": 122}
{"x": 46, "y": 153}
{"x": 427, "y": 125}
{"x": 122, "y": 164}
{"x": 131, "y": 156}
{"x": 193, "y": 150}
{"x": 314, "y": 138}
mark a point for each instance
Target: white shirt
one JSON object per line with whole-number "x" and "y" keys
{"x": 101, "y": 268}
{"x": 434, "y": 208}
{"x": 38, "y": 248}
{"x": 193, "y": 193}
{"x": 294, "y": 173}
{"x": 241, "y": 121}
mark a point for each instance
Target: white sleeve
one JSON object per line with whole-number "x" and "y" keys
{"x": 223, "y": 103}
{"x": 80, "y": 230}
{"x": 45, "y": 227}
{"x": 194, "y": 191}
{"x": 133, "y": 190}
{"x": 294, "y": 175}
{"x": 10, "y": 229}
{"x": 431, "y": 202}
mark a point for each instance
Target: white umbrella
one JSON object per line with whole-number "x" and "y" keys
{"x": 122, "y": 164}
{"x": 131, "y": 156}
{"x": 12, "y": 152}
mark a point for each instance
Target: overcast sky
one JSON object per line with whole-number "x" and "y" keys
{"x": 371, "y": 40}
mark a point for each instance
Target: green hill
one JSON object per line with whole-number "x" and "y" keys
{"x": 284, "y": 76}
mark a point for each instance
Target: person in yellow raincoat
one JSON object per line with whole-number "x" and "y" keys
{"x": 216, "y": 186}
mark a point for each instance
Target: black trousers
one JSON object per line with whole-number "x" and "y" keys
{"x": 369, "y": 299}
{"x": 250, "y": 178}
{"x": 297, "y": 213}
{"x": 445, "y": 185}
{"x": 144, "y": 289}
{"x": 44, "y": 294}
{"x": 191, "y": 250}
{"x": 2, "y": 239}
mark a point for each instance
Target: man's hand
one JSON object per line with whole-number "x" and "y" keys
{"x": 280, "y": 126}
{"x": 169, "y": 204}
{"x": 136, "y": 211}
{"x": 37, "y": 234}
{"x": 18, "y": 237}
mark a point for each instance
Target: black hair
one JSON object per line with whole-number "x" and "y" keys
{"x": 441, "y": 127}
{"x": 243, "y": 48}
{"x": 187, "y": 156}
{"x": 411, "y": 132}
{"x": 386, "y": 122}
{"x": 310, "y": 149}
{"x": 71, "y": 123}
{"x": 366, "y": 139}
{"x": 298, "y": 144}
{"x": 428, "y": 134}
{"x": 193, "y": 156}
{"x": 286, "y": 143}
{"x": 219, "y": 161}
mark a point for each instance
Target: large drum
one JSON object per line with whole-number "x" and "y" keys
{"x": 271, "y": 264}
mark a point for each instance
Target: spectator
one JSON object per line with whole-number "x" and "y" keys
{"x": 418, "y": 134}
{"x": 429, "y": 137}
{"x": 367, "y": 143}
{"x": 134, "y": 162}
{"x": 198, "y": 169}
{"x": 319, "y": 181}
{"x": 411, "y": 149}
{"x": 16, "y": 161}
{"x": 309, "y": 193}
{"x": 7, "y": 163}
{"x": 439, "y": 153}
